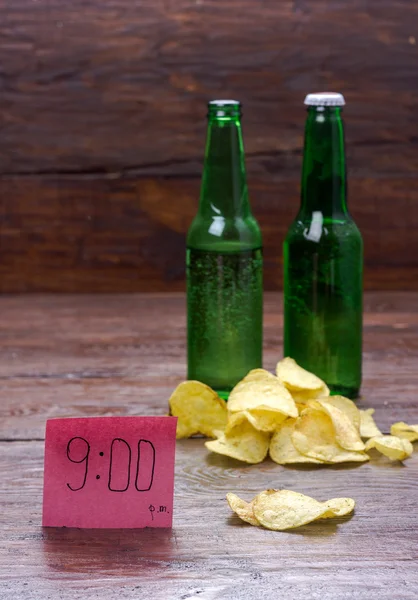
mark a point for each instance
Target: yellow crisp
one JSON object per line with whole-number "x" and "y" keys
{"x": 282, "y": 450}
{"x": 265, "y": 393}
{"x": 338, "y": 507}
{"x": 404, "y": 431}
{"x": 284, "y": 509}
{"x": 302, "y": 384}
{"x": 314, "y": 436}
{"x": 368, "y": 427}
{"x": 257, "y": 375}
{"x": 199, "y": 410}
{"x": 391, "y": 446}
{"x": 254, "y": 375}
{"x": 264, "y": 419}
{"x": 346, "y": 434}
{"x": 241, "y": 441}
{"x": 348, "y": 407}
{"x": 243, "y": 509}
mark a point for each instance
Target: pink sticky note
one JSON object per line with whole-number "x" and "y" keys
{"x": 109, "y": 472}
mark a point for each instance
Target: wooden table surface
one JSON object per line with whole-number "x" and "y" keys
{"x": 123, "y": 355}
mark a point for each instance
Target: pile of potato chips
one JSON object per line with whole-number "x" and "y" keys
{"x": 283, "y": 509}
{"x": 290, "y": 415}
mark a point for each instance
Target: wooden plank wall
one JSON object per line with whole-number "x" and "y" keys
{"x": 102, "y": 126}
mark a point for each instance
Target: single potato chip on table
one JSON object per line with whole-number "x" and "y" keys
{"x": 338, "y": 507}
{"x": 391, "y": 446}
{"x": 199, "y": 409}
{"x": 241, "y": 441}
{"x": 302, "y": 384}
{"x": 407, "y": 432}
{"x": 243, "y": 509}
{"x": 284, "y": 509}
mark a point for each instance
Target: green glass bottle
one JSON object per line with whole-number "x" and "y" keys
{"x": 323, "y": 259}
{"x": 224, "y": 262}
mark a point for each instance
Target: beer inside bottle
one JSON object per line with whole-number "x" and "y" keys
{"x": 224, "y": 262}
{"x": 323, "y": 259}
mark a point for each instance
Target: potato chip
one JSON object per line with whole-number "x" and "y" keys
{"x": 301, "y": 406}
{"x": 282, "y": 450}
{"x": 304, "y": 397}
{"x": 283, "y": 509}
{"x": 346, "y": 434}
{"x": 302, "y": 384}
{"x": 391, "y": 446}
{"x": 265, "y": 420}
{"x": 404, "y": 431}
{"x": 296, "y": 378}
{"x": 254, "y": 375}
{"x": 348, "y": 407}
{"x": 314, "y": 436}
{"x": 241, "y": 441}
{"x": 338, "y": 507}
{"x": 257, "y": 375}
{"x": 243, "y": 509}
{"x": 199, "y": 410}
{"x": 368, "y": 427}
{"x": 265, "y": 393}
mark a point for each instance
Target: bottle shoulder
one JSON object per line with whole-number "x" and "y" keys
{"x": 215, "y": 232}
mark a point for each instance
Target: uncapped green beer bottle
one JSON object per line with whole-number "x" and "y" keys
{"x": 224, "y": 262}
{"x": 323, "y": 259}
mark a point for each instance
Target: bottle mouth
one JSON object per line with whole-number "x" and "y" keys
{"x": 325, "y": 99}
{"x": 224, "y": 109}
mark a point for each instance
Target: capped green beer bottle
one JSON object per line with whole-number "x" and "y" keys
{"x": 224, "y": 262}
{"x": 323, "y": 259}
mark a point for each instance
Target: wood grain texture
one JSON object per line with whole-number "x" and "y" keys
{"x": 129, "y": 235}
{"x": 123, "y": 355}
{"x": 102, "y": 109}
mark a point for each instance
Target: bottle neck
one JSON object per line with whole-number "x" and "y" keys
{"x": 224, "y": 184}
{"x": 324, "y": 185}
